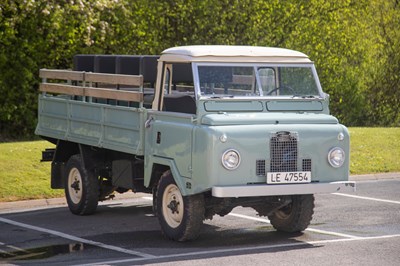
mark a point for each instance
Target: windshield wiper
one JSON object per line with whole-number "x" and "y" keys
{"x": 221, "y": 96}
{"x": 304, "y": 96}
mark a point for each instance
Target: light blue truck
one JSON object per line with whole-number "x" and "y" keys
{"x": 203, "y": 128}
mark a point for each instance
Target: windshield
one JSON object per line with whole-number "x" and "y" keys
{"x": 267, "y": 81}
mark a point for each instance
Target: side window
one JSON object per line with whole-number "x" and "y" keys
{"x": 167, "y": 81}
{"x": 182, "y": 78}
{"x": 267, "y": 79}
{"x": 179, "y": 98}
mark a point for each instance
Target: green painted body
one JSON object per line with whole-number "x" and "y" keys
{"x": 99, "y": 125}
{"x": 193, "y": 148}
{"x": 191, "y": 145}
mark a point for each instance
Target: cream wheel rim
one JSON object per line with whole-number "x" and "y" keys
{"x": 172, "y": 206}
{"x": 75, "y": 185}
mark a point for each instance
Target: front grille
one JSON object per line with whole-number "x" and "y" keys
{"x": 260, "y": 167}
{"x": 306, "y": 165}
{"x": 283, "y": 152}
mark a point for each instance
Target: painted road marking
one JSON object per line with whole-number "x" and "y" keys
{"x": 145, "y": 256}
{"x": 77, "y": 239}
{"x": 263, "y": 220}
{"x": 250, "y": 217}
{"x": 366, "y": 198}
{"x": 308, "y": 229}
{"x": 241, "y": 249}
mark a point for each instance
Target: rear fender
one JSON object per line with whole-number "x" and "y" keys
{"x": 64, "y": 151}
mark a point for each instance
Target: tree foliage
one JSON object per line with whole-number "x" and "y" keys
{"x": 354, "y": 43}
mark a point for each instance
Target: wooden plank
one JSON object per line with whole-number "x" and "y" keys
{"x": 62, "y": 89}
{"x": 129, "y": 96}
{"x": 115, "y": 79}
{"x": 61, "y": 74}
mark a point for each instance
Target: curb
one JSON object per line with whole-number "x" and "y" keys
{"x": 42, "y": 203}
{"x": 379, "y": 176}
{"x": 6, "y": 207}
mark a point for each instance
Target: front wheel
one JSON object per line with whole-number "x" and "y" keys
{"x": 81, "y": 187}
{"x": 180, "y": 217}
{"x": 294, "y": 217}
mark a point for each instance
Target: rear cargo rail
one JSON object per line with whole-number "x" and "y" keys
{"x": 95, "y": 109}
{"x": 87, "y": 84}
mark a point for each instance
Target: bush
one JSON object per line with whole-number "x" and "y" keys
{"x": 355, "y": 45}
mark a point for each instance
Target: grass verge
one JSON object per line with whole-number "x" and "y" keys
{"x": 23, "y": 176}
{"x": 374, "y": 150}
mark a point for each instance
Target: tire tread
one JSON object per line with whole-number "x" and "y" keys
{"x": 90, "y": 187}
{"x": 193, "y": 218}
{"x": 299, "y": 219}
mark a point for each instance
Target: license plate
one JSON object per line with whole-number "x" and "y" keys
{"x": 288, "y": 177}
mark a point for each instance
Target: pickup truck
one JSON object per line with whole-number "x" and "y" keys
{"x": 203, "y": 128}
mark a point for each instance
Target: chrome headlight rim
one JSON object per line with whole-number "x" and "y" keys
{"x": 333, "y": 157}
{"x": 230, "y": 154}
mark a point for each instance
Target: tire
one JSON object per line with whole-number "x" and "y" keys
{"x": 81, "y": 187}
{"x": 154, "y": 192}
{"x": 296, "y": 216}
{"x": 180, "y": 218}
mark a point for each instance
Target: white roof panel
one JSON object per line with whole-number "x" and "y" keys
{"x": 232, "y": 53}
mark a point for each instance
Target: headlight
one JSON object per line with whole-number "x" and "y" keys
{"x": 231, "y": 159}
{"x": 336, "y": 157}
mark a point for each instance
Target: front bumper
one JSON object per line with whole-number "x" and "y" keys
{"x": 278, "y": 190}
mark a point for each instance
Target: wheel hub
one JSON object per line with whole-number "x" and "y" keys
{"x": 173, "y": 206}
{"x": 75, "y": 185}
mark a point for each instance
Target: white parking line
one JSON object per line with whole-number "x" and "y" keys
{"x": 77, "y": 239}
{"x": 331, "y": 233}
{"x": 250, "y": 217}
{"x": 263, "y": 220}
{"x": 243, "y": 249}
{"x": 308, "y": 229}
{"x": 366, "y": 198}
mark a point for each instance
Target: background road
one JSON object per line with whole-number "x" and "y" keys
{"x": 362, "y": 228}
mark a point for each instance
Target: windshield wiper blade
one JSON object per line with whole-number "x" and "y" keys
{"x": 304, "y": 96}
{"x": 221, "y": 96}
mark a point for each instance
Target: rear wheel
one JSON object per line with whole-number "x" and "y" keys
{"x": 81, "y": 187}
{"x": 180, "y": 217}
{"x": 294, "y": 217}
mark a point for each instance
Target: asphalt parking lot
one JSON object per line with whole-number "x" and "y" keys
{"x": 362, "y": 228}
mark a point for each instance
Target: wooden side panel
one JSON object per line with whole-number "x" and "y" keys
{"x": 61, "y": 74}
{"x": 62, "y": 89}
{"x": 114, "y": 94}
{"x": 115, "y": 79}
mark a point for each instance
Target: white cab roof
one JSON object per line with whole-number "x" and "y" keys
{"x": 232, "y": 53}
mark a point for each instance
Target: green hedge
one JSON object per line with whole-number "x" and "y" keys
{"x": 354, "y": 43}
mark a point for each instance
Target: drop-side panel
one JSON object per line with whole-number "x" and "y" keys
{"x": 112, "y": 127}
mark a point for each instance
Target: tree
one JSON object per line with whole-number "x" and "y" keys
{"x": 355, "y": 44}
{"x": 384, "y": 82}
